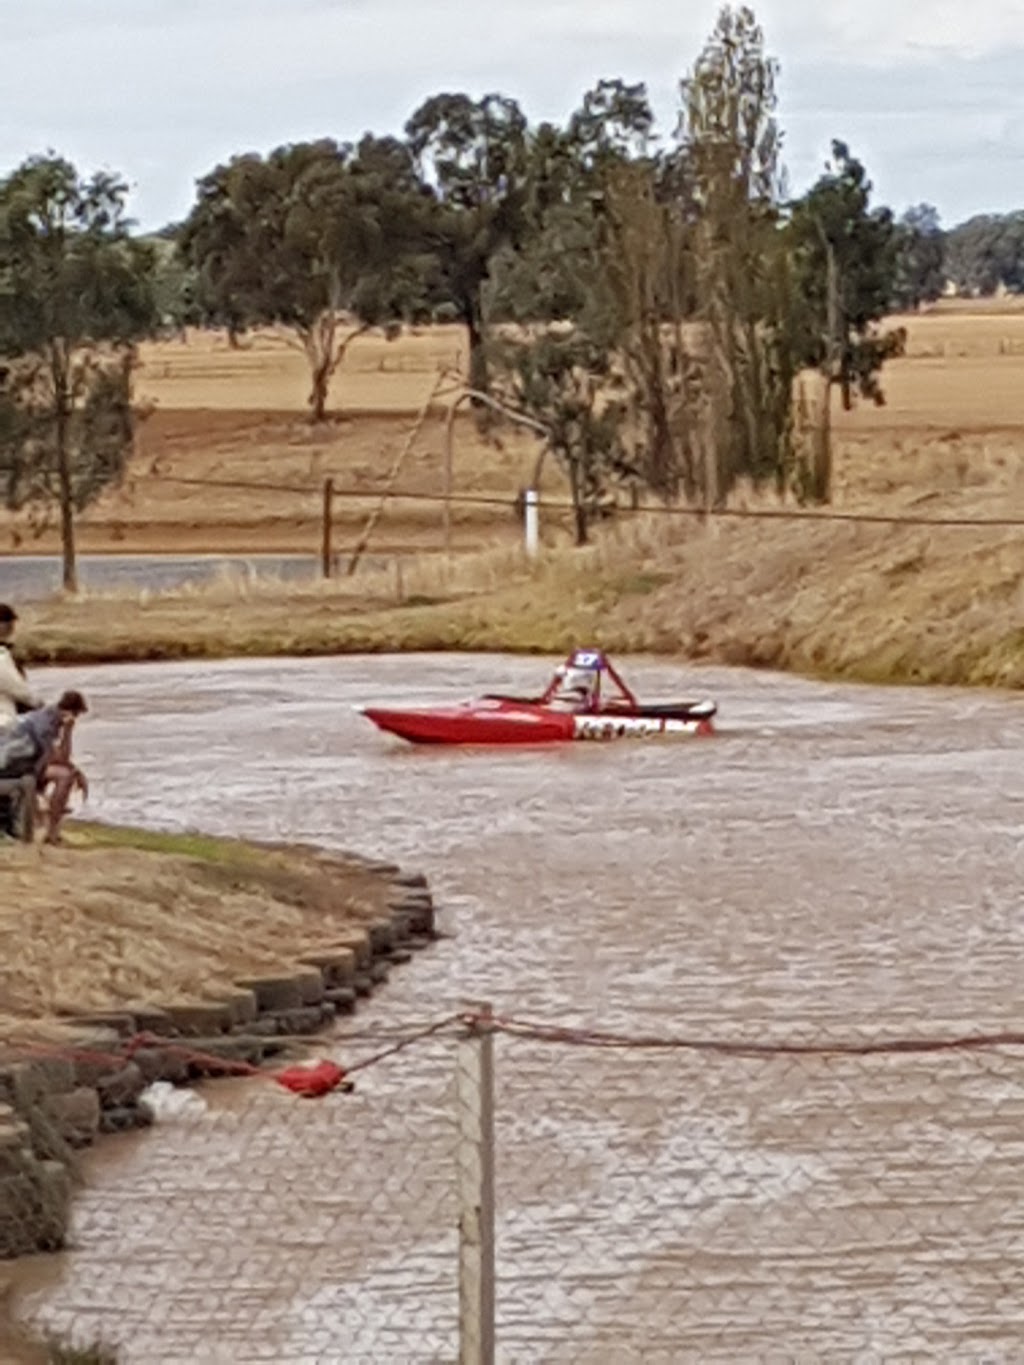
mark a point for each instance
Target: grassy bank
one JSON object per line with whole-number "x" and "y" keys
{"x": 122, "y": 915}
{"x": 228, "y": 437}
{"x": 860, "y": 602}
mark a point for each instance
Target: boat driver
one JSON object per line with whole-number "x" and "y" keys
{"x": 576, "y": 689}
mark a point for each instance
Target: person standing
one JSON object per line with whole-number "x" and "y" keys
{"x": 15, "y": 693}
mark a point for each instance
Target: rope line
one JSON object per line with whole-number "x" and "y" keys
{"x": 470, "y": 1024}
{"x": 550, "y": 505}
{"x": 596, "y": 1038}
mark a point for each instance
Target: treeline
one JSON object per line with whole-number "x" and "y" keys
{"x": 649, "y": 299}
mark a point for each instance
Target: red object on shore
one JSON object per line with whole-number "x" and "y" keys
{"x": 586, "y": 699}
{"x": 312, "y": 1081}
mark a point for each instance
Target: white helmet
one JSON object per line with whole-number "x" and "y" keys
{"x": 579, "y": 679}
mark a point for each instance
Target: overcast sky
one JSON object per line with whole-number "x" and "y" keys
{"x": 929, "y": 93}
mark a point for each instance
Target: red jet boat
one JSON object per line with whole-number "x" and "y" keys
{"x": 586, "y": 699}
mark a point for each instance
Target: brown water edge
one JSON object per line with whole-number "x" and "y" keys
{"x": 840, "y": 862}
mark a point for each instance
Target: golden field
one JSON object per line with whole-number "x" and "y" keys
{"x": 857, "y": 600}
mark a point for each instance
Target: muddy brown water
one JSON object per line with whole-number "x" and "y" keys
{"x": 838, "y": 863}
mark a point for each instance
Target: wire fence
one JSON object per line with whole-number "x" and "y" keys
{"x": 564, "y": 508}
{"x": 319, "y": 503}
{"x": 497, "y": 1189}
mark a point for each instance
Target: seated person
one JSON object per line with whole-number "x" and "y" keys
{"x": 576, "y": 689}
{"x": 39, "y": 744}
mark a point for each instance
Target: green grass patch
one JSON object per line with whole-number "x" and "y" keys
{"x": 203, "y": 848}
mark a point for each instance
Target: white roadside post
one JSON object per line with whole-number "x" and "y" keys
{"x": 532, "y": 522}
{"x": 474, "y": 1084}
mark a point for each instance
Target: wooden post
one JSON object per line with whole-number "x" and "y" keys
{"x": 326, "y": 557}
{"x": 475, "y": 1099}
{"x": 531, "y": 526}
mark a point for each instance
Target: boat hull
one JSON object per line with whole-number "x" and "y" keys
{"x": 503, "y": 723}
{"x": 458, "y": 725}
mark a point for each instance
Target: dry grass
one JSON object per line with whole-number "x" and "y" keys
{"x": 121, "y": 916}
{"x": 867, "y": 602}
{"x": 267, "y": 373}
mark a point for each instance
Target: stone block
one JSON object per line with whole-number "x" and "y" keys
{"x": 336, "y": 964}
{"x": 359, "y": 945}
{"x": 120, "y": 1021}
{"x": 274, "y": 993}
{"x": 76, "y": 1115}
{"x": 161, "y": 1064}
{"x": 305, "y": 1020}
{"x": 121, "y": 1087}
{"x": 383, "y": 869}
{"x": 34, "y": 1210}
{"x": 242, "y": 1004}
{"x": 126, "y": 1118}
{"x": 55, "y": 1073}
{"x": 199, "y": 1019}
{"x": 20, "y": 1086}
{"x": 418, "y": 914}
{"x": 15, "y": 1147}
{"x": 409, "y": 879}
{"x": 310, "y": 981}
{"x": 382, "y": 937}
{"x": 151, "y": 1019}
{"x": 216, "y": 1056}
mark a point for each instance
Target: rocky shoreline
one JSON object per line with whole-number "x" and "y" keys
{"x": 57, "y": 1098}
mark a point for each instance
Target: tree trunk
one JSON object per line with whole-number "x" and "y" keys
{"x": 479, "y": 375}
{"x": 67, "y": 510}
{"x": 822, "y": 480}
{"x": 579, "y": 510}
{"x": 834, "y": 369}
{"x": 318, "y": 393}
{"x": 324, "y": 355}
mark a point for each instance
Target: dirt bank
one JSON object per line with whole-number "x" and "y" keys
{"x": 124, "y": 915}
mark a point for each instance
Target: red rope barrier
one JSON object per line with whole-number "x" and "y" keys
{"x": 317, "y": 1077}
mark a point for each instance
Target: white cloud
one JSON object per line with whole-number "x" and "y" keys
{"x": 925, "y": 90}
{"x": 886, "y": 32}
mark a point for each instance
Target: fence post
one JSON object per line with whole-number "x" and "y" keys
{"x": 532, "y": 522}
{"x": 326, "y": 557}
{"x": 475, "y": 1102}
